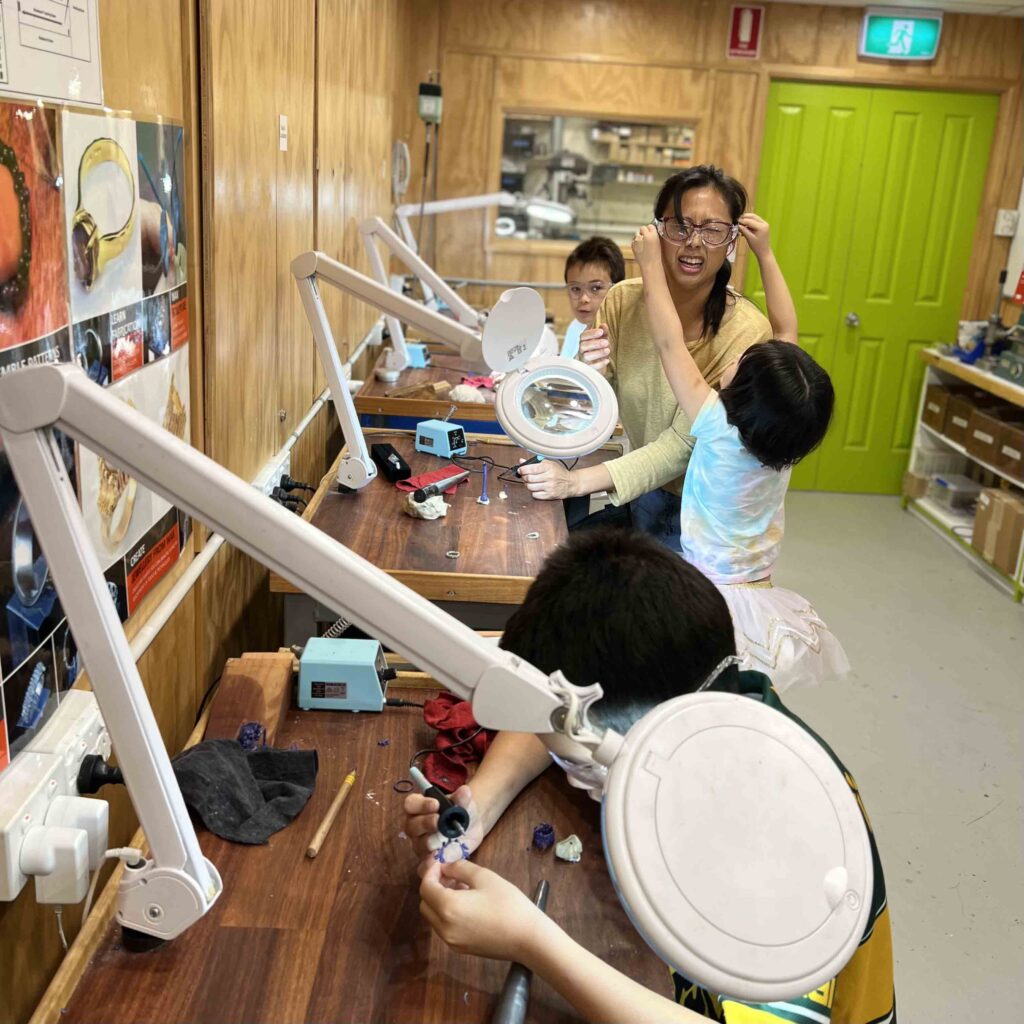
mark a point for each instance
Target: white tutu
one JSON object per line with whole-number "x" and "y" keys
{"x": 780, "y": 634}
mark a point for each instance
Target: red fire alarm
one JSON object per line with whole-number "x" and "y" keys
{"x": 745, "y": 32}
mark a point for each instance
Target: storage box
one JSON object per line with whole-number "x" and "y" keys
{"x": 915, "y": 485}
{"x": 954, "y": 490}
{"x": 1010, "y": 451}
{"x": 931, "y": 461}
{"x": 958, "y": 413}
{"x": 999, "y": 528}
{"x": 936, "y": 404}
{"x": 985, "y": 429}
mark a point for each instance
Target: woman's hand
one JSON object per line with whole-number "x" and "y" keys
{"x": 755, "y": 230}
{"x": 482, "y": 915}
{"x": 595, "y": 347}
{"x": 647, "y": 250}
{"x": 547, "y": 480}
{"x": 421, "y": 822}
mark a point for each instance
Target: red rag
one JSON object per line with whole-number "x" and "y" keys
{"x": 414, "y": 483}
{"x": 452, "y": 717}
{"x": 478, "y": 382}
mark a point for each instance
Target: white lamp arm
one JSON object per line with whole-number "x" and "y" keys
{"x": 505, "y": 691}
{"x": 374, "y": 228}
{"x": 407, "y": 210}
{"x": 357, "y": 469}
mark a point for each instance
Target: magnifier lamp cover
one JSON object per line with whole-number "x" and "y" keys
{"x": 737, "y": 847}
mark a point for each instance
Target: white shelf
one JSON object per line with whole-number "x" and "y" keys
{"x": 956, "y": 446}
{"x": 950, "y": 518}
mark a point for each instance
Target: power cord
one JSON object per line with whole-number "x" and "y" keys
{"x": 394, "y": 702}
{"x": 284, "y": 497}
{"x": 290, "y": 484}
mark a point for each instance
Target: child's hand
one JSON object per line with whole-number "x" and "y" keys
{"x": 421, "y": 822}
{"x": 755, "y": 230}
{"x": 647, "y": 249}
{"x": 483, "y": 915}
{"x": 595, "y": 348}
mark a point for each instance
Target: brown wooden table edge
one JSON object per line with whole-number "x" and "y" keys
{"x": 443, "y": 586}
{"x": 377, "y": 405}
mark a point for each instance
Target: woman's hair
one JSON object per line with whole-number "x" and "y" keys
{"x": 780, "y": 401}
{"x": 735, "y": 196}
{"x": 615, "y": 607}
{"x": 598, "y": 250}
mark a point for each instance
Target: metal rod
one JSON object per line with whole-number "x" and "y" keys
{"x": 514, "y": 1000}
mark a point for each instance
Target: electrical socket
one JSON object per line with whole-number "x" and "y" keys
{"x": 270, "y": 475}
{"x": 1006, "y": 223}
{"x": 27, "y": 789}
{"x": 48, "y": 768}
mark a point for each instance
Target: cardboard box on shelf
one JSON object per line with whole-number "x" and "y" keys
{"x": 936, "y": 404}
{"x": 1010, "y": 450}
{"x": 915, "y": 485}
{"x": 998, "y": 529}
{"x": 958, "y": 412}
{"x": 985, "y": 430}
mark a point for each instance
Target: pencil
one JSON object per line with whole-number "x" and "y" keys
{"x": 325, "y": 826}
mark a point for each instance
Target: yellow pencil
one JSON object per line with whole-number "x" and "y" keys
{"x": 325, "y": 825}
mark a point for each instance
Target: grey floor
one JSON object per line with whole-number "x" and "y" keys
{"x": 931, "y": 725}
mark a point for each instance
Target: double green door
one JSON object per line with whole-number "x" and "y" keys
{"x": 872, "y": 195}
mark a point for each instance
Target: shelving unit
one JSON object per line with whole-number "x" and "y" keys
{"x": 954, "y": 525}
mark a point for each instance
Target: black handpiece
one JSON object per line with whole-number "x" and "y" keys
{"x": 452, "y": 818}
{"x": 440, "y": 486}
{"x": 514, "y": 1000}
{"x": 529, "y": 462}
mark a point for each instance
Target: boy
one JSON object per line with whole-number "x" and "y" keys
{"x": 657, "y": 628}
{"x": 590, "y": 270}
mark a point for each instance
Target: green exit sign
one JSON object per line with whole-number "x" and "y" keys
{"x": 894, "y": 33}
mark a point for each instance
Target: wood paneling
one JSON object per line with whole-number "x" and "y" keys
{"x": 660, "y": 58}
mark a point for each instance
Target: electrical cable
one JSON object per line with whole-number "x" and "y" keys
{"x": 441, "y": 750}
{"x": 423, "y": 186}
{"x": 59, "y": 912}
{"x": 291, "y": 484}
{"x": 395, "y": 702}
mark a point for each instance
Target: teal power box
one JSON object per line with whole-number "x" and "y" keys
{"x": 343, "y": 675}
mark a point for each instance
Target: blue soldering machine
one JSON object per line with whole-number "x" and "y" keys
{"x": 343, "y": 675}
{"x": 441, "y": 438}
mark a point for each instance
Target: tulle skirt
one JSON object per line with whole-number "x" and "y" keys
{"x": 780, "y": 634}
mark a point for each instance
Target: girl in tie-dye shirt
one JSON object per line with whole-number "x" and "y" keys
{"x": 773, "y": 408}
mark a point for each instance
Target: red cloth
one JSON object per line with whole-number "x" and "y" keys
{"x": 452, "y": 717}
{"x": 478, "y": 382}
{"x": 414, "y": 483}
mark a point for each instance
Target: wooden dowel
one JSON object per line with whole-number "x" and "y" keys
{"x": 325, "y": 825}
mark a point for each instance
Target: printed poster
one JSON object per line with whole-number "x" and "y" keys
{"x": 101, "y": 278}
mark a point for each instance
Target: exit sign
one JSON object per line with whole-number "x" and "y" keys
{"x": 894, "y": 33}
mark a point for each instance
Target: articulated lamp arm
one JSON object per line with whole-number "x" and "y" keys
{"x": 177, "y": 885}
{"x": 357, "y": 469}
{"x": 407, "y": 210}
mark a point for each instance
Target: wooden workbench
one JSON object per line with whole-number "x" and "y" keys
{"x": 371, "y": 398}
{"x": 339, "y": 938}
{"x": 498, "y": 557}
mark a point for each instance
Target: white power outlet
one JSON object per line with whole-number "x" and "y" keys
{"x": 1006, "y": 223}
{"x": 270, "y": 476}
{"x": 47, "y": 769}
{"x": 27, "y": 789}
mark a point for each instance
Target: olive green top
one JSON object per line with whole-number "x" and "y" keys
{"x": 658, "y": 430}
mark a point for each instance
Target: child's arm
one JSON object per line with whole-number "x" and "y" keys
{"x": 781, "y": 311}
{"x": 689, "y": 387}
{"x": 492, "y": 918}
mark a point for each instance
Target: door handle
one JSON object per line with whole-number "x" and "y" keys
{"x": 852, "y": 320}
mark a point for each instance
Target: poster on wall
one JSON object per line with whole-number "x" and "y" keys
{"x": 97, "y": 275}
{"x": 50, "y": 50}
{"x": 33, "y": 329}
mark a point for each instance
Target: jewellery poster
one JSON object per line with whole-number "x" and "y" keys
{"x": 105, "y": 249}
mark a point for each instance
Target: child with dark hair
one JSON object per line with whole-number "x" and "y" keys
{"x": 773, "y": 409}
{"x": 665, "y": 632}
{"x": 590, "y": 270}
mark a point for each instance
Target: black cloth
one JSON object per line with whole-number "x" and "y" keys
{"x": 245, "y": 797}
{"x": 578, "y": 517}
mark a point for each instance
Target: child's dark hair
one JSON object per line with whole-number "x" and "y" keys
{"x": 598, "y": 250}
{"x": 615, "y": 607}
{"x": 780, "y": 401}
{"x": 735, "y": 196}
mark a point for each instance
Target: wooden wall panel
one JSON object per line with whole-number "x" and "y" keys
{"x": 467, "y": 150}
{"x": 294, "y": 372}
{"x": 660, "y": 58}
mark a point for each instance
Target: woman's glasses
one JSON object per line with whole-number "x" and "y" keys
{"x": 713, "y": 233}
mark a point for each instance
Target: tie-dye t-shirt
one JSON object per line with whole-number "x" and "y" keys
{"x": 733, "y": 507}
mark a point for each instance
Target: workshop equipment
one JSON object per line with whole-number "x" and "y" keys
{"x": 441, "y": 438}
{"x": 332, "y": 812}
{"x": 442, "y": 485}
{"x": 514, "y": 1000}
{"x": 343, "y": 675}
{"x": 452, "y": 818}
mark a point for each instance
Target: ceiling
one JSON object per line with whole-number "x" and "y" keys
{"x": 1009, "y": 9}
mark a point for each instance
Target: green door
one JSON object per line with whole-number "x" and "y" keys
{"x": 872, "y": 194}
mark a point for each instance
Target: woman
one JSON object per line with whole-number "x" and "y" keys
{"x": 697, "y": 212}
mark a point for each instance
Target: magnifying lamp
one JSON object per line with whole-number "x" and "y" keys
{"x": 736, "y": 845}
